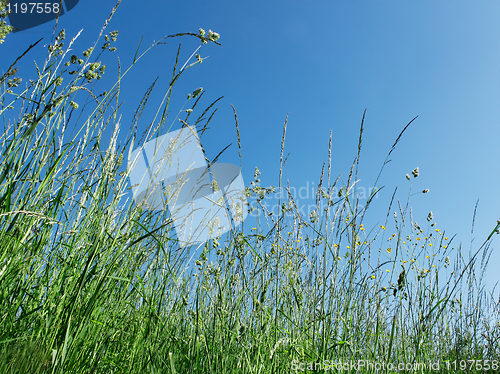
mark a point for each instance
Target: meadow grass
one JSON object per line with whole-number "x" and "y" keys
{"x": 91, "y": 283}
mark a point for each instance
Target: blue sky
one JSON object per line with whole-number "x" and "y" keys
{"x": 323, "y": 63}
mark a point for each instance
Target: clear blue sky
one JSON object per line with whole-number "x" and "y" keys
{"x": 323, "y": 63}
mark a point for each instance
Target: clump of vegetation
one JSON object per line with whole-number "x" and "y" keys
{"x": 91, "y": 283}
{"x": 4, "y": 28}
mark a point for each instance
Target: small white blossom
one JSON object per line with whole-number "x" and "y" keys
{"x": 213, "y": 35}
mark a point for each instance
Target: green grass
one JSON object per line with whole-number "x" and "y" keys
{"x": 89, "y": 283}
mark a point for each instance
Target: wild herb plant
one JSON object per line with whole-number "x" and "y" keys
{"x": 92, "y": 283}
{"x": 4, "y": 28}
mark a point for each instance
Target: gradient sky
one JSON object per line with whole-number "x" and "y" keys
{"x": 323, "y": 63}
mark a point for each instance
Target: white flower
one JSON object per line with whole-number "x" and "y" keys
{"x": 213, "y": 35}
